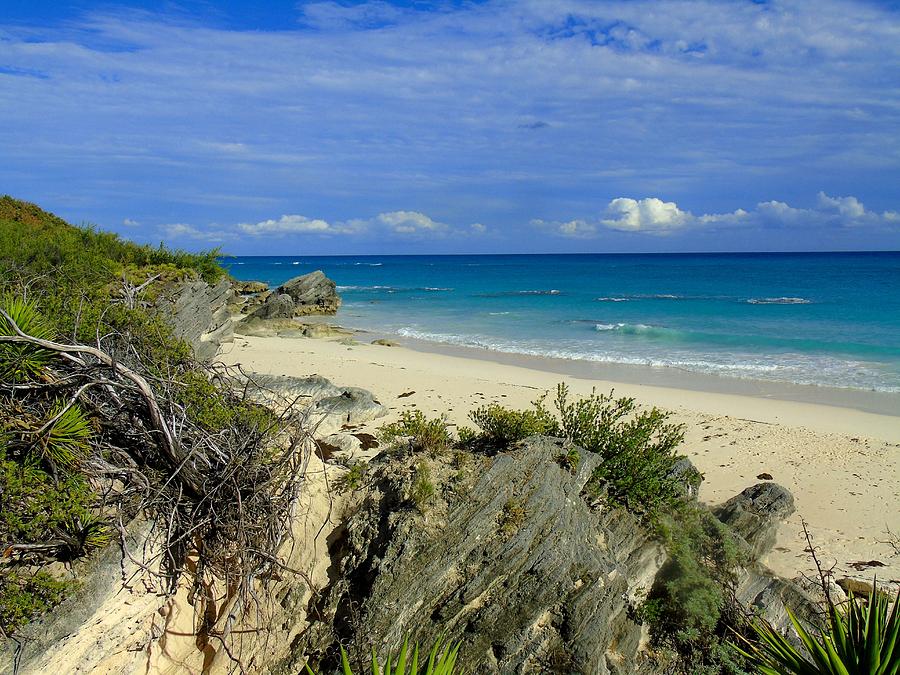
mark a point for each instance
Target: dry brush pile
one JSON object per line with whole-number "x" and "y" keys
{"x": 92, "y": 436}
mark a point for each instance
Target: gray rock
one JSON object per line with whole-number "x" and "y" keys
{"x": 276, "y": 306}
{"x": 198, "y": 313}
{"x": 312, "y": 293}
{"x": 385, "y": 342}
{"x": 509, "y": 559}
{"x": 755, "y": 514}
{"x": 329, "y": 407}
{"x": 249, "y": 287}
{"x": 688, "y": 477}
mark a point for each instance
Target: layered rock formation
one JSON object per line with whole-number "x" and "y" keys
{"x": 330, "y": 408}
{"x": 501, "y": 553}
{"x": 312, "y": 293}
{"x": 198, "y": 314}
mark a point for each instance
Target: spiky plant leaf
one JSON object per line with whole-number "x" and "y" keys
{"x": 441, "y": 661}
{"x": 65, "y": 440}
{"x": 22, "y": 362}
{"x": 861, "y": 640}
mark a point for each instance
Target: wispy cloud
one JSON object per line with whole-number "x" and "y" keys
{"x": 495, "y": 111}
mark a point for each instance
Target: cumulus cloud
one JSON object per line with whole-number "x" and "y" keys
{"x": 186, "y": 231}
{"x": 644, "y": 215}
{"x": 296, "y": 224}
{"x": 130, "y": 222}
{"x": 652, "y": 215}
{"x": 410, "y": 222}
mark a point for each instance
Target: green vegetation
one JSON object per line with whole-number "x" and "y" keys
{"x": 104, "y": 414}
{"x": 421, "y": 434}
{"x": 503, "y": 426}
{"x": 637, "y": 447}
{"x": 23, "y": 596}
{"x": 423, "y": 487}
{"x": 690, "y": 608}
{"x": 353, "y": 479}
{"x": 512, "y": 516}
{"x": 863, "y": 637}
{"x": 441, "y": 661}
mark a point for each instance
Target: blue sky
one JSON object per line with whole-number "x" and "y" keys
{"x": 426, "y": 127}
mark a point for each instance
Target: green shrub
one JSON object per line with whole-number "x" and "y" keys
{"x": 24, "y": 596}
{"x": 423, "y": 434}
{"x": 637, "y": 448}
{"x": 690, "y": 608}
{"x": 423, "y": 487}
{"x": 503, "y": 426}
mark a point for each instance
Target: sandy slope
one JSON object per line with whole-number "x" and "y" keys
{"x": 842, "y": 465}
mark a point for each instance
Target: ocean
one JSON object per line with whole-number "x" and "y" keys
{"x": 828, "y": 319}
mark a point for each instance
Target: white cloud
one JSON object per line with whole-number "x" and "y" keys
{"x": 296, "y": 224}
{"x": 130, "y": 222}
{"x": 645, "y": 215}
{"x": 651, "y": 215}
{"x": 847, "y": 207}
{"x": 186, "y": 231}
{"x": 410, "y": 222}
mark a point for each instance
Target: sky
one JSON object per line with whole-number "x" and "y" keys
{"x": 458, "y": 126}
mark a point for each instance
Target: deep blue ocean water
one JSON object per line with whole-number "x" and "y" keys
{"x": 826, "y": 319}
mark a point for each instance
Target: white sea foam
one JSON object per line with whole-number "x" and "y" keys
{"x": 778, "y": 301}
{"x": 613, "y": 299}
{"x": 790, "y": 367}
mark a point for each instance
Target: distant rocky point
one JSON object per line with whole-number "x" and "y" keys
{"x": 312, "y": 293}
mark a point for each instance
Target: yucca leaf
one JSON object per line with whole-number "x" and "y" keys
{"x": 400, "y": 668}
{"x": 65, "y": 438}
{"x": 21, "y": 362}
{"x": 345, "y": 662}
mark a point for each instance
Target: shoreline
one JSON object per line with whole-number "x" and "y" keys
{"x": 869, "y": 401}
{"x": 841, "y": 464}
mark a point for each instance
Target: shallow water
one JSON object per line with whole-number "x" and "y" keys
{"x": 824, "y": 319}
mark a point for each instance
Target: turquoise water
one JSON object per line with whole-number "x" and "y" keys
{"x": 822, "y": 319}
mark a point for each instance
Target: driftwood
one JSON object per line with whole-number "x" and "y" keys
{"x": 220, "y": 500}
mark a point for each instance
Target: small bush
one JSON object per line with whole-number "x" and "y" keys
{"x": 503, "y": 426}
{"x": 423, "y": 487}
{"x": 423, "y": 434}
{"x": 353, "y": 479}
{"x": 637, "y": 448}
{"x": 24, "y": 596}
{"x": 512, "y": 516}
{"x": 690, "y": 607}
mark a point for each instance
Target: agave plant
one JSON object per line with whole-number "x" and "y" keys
{"x": 861, "y": 640}
{"x": 65, "y": 436}
{"x": 22, "y": 362}
{"x": 441, "y": 661}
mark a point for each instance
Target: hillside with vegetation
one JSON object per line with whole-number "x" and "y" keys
{"x": 106, "y": 415}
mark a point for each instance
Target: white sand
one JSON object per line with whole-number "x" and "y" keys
{"x": 842, "y": 465}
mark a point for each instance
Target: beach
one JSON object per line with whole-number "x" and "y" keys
{"x": 841, "y": 464}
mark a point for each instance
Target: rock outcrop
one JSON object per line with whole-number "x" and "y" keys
{"x": 755, "y": 514}
{"x": 312, "y": 293}
{"x": 329, "y": 407}
{"x": 501, "y": 553}
{"x": 505, "y": 556}
{"x": 198, "y": 313}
